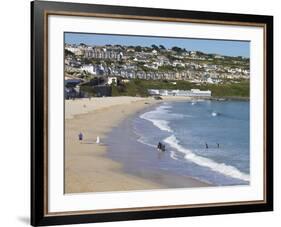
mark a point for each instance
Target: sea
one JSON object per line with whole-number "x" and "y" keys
{"x": 207, "y": 140}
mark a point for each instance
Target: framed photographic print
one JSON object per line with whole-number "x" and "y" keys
{"x": 142, "y": 113}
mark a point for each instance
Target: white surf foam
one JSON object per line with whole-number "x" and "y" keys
{"x": 142, "y": 140}
{"x": 161, "y": 124}
{"x": 173, "y": 155}
{"x": 154, "y": 115}
{"x": 206, "y": 162}
{"x": 161, "y": 116}
{"x": 214, "y": 114}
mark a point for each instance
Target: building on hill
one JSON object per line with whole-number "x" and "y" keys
{"x": 187, "y": 93}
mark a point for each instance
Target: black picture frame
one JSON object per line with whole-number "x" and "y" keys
{"x": 39, "y": 110}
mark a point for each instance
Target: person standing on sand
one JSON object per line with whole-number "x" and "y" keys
{"x": 80, "y": 137}
{"x": 98, "y": 140}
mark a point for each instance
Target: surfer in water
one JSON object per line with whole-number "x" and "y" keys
{"x": 158, "y": 146}
{"x": 161, "y": 147}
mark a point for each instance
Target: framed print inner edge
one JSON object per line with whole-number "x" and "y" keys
{"x": 64, "y": 13}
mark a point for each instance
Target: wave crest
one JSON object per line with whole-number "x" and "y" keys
{"x": 206, "y": 162}
{"x": 153, "y": 116}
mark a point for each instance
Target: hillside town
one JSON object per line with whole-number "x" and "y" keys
{"x": 110, "y": 65}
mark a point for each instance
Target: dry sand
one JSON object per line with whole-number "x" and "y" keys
{"x": 81, "y": 106}
{"x": 87, "y": 169}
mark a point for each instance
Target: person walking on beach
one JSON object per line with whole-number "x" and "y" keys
{"x": 80, "y": 137}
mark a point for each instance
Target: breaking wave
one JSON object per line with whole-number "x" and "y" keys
{"x": 205, "y": 162}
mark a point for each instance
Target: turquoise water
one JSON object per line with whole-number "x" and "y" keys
{"x": 208, "y": 140}
{"x": 185, "y": 128}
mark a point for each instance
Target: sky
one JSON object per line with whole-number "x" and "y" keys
{"x": 223, "y": 47}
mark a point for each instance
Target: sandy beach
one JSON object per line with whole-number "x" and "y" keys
{"x": 87, "y": 167}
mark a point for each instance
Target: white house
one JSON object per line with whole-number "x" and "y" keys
{"x": 198, "y": 92}
{"x": 88, "y": 68}
{"x": 154, "y": 52}
{"x": 112, "y": 80}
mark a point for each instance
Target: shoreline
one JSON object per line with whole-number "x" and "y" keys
{"x": 87, "y": 165}
{"x": 85, "y": 105}
{"x": 230, "y": 98}
{"x": 147, "y": 162}
{"x": 88, "y": 168}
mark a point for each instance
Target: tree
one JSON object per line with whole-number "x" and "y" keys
{"x": 138, "y": 48}
{"x": 162, "y": 47}
{"x": 200, "y": 53}
{"x": 68, "y": 53}
{"x": 155, "y": 47}
{"x": 177, "y": 49}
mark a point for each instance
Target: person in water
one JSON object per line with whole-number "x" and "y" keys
{"x": 206, "y": 146}
{"x": 218, "y": 145}
{"x": 161, "y": 146}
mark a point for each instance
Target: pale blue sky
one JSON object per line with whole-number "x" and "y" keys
{"x": 223, "y": 47}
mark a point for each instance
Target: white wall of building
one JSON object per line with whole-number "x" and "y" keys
{"x": 89, "y": 69}
{"x": 111, "y": 80}
{"x": 189, "y": 93}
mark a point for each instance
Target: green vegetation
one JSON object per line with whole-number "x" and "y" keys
{"x": 139, "y": 87}
{"x": 68, "y": 53}
{"x": 133, "y": 88}
{"x": 88, "y": 90}
{"x": 241, "y": 89}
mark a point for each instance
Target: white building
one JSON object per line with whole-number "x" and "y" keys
{"x": 163, "y": 92}
{"x": 154, "y": 91}
{"x": 112, "y": 80}
{"x": 219, "y": 56}
{"x": 102, "y": 53}
{"x": 187, "y": 93}
{"x": 88, "y": 68}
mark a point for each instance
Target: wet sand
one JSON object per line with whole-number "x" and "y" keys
{"x": 87, "y": 165}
